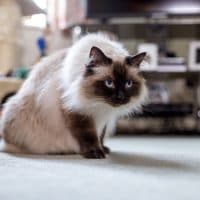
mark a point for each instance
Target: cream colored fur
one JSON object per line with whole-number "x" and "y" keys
{"x": 32, "y": 120}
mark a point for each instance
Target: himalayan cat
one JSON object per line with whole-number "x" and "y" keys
{"x": 71, "y": 98}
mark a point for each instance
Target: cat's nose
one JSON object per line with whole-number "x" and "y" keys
{"x": 120, "y": 96}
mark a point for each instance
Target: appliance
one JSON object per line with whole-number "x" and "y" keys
{"x": 194, "y": 55}
{"x": 152, "y": 56}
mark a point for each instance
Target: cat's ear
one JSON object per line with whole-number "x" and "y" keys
{"x": 98, "y": 57}
{"x": 135, "y": 60}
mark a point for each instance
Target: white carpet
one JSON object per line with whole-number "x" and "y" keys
{"x": 138, "y": 168}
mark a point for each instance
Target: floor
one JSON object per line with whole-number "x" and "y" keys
{"x": 138, "y": 168}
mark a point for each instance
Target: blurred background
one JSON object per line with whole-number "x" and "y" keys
{"x": 169, "y": 30}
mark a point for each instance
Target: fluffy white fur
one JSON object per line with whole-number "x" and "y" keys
{"x": 33, "y": 118}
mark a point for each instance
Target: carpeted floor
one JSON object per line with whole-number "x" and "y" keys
{"x": 138, "y": 168}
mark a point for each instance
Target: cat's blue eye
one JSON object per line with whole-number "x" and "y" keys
{"x": 129, "y": 83}
{"x": 109, "y": 83}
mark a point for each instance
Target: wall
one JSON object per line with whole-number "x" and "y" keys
{"x": 28, "y": 48}
{"x": 9, "y": 34}
{"x": 28, "y": 44}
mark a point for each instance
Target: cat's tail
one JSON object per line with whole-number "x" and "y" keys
{"x": 8, "y": 148}
{"x": 2, "y": 144}
{"x": 1, "y": 135}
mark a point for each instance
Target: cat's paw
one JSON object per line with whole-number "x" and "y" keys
{"x": 95, "y": 153}
{"x": 106, "y": 149}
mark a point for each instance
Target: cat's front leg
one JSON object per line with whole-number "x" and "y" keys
{"x": 83, "y": 130}
{"x": 89, "y": 144}
{"x": 102, "y": 136}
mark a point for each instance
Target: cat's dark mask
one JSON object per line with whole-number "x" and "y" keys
{"x": 115, "y": 82}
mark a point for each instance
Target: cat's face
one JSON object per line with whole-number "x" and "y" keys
{"x": 114, "y": 83}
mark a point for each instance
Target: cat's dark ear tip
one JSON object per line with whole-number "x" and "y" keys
{"x": 136, "y": 59}
{"x": 95, "y": 47}
{"x": 144, "y": 54}
{"x": 94, "y": 50}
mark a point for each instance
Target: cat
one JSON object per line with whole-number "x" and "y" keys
{"x": 71, "y": 99}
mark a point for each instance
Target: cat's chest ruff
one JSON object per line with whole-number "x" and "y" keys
{"x": 101, "y": 120}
